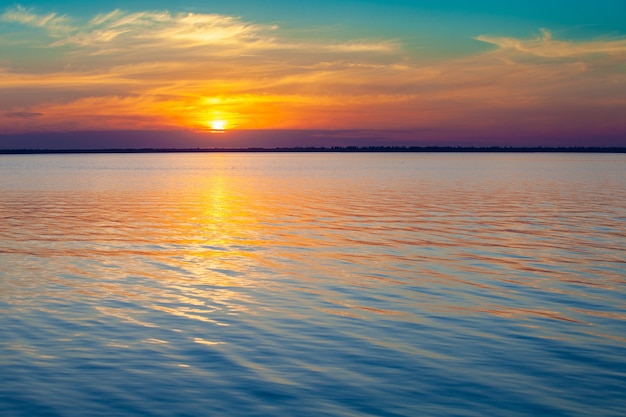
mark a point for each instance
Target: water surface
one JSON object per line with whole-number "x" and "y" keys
{"x": 313, "y": 284}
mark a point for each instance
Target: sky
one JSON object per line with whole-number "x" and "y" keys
{"x": 241, "y": 73}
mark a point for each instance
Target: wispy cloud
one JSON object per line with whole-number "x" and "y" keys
{"x": 23, "y": 114}
{"x": 162, "y": 29}
{"x": 546, "y": 46}
{"x": 54, "y": 24}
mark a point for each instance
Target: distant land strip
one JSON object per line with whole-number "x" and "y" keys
{"x": 502, "y": 149}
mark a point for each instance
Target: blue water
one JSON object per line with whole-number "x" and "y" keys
{"x": 313, "y": 285}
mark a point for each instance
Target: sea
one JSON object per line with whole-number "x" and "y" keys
{"x": 313, "y": 284}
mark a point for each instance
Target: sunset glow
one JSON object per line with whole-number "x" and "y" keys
{"x": 436, "y": 80}
{"x": 218, "y": 125}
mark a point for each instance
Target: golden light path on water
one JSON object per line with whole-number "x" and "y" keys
{"x": 312, "y": 284}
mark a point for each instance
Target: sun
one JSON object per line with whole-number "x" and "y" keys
{"x": 217, "y": 125}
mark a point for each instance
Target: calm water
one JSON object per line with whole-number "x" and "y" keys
{"x": 313, "y": 285}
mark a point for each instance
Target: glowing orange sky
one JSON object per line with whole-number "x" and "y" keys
{"x": 163, "y": 70}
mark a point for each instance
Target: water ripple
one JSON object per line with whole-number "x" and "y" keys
{"x": 306, "y": 284}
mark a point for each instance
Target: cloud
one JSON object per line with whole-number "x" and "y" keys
{"x": 548, "y": 47}
{"x": 155, "y": 29}
{"x": 56, "y": 25}
{"x": 158, "y": 29}
{"x": 23, "y": 114}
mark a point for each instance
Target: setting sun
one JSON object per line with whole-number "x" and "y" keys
{"x": 218, "y": 125}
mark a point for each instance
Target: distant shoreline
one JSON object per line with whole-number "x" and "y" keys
{"x": 336, "y": 149}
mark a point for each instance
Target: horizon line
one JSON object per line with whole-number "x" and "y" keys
{"x": 321, "y": 149}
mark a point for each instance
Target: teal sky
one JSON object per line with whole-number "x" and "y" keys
{"x": 427, "y": 28}
{"x": 482, "y": 67}
{"x": 396, "y": 16}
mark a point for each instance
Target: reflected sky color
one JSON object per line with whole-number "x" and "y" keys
{"x": 402, "y": 72}
{"x": 312, "y": 284}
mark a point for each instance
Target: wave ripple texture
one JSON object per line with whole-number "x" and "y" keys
{"x": 313, "y": 285}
